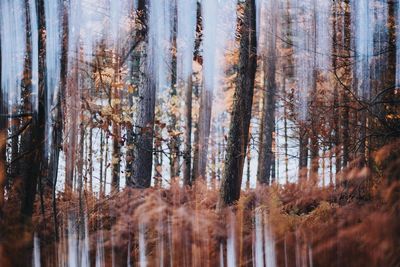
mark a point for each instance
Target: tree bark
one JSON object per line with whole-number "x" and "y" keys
{"x": 242, "y": 107}
{"x": 143, "y": 151}
{"x": 303, "y": 153}
{"x": 187, "y": 154}
{"x": 196, "y": 137}
{"x": 3, "y": 142}
{"x": 116, "y": 152}
{"x": 175, "y": 141}
{"x": 315, "y": 121}
{"x": 32, "y": 140}
{"x": 203, "y": 131}
{"x": 266, "y": 154}
{"x": 135, "y": 81}
{"x": 344, "y": 94}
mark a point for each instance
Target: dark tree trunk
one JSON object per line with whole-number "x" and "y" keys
{"x": 345, "y": 121}
{"x": 3, "y": 142}
{"x": 175, "y": 141}
{"x": 143, "y": 151}
{"x": 303, "y": 153}
{"x": 242, "y": 106}
{"x": 32, "y": 139}
{"x": 335, "y": 141}
{"x": 135, "y": 82}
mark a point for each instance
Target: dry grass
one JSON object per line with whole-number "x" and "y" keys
{"x": 353, "y": 224}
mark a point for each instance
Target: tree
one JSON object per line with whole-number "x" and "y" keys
{"x": 3, "y": 140}
{"x": 266, "y": 154}
{"x": 242, "y": 106}
{"x": 143, "y": 150}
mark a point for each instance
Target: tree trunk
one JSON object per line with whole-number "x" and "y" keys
{"x": 315, "y": 122}
{"x": 303, "y": 154}
{"x": 242, "y": 106}
{"x": 285, "y": 129}
{"x": 266, "y": 154}
{"x": 32, "y": 139}
{"x": 3, "y": 142}
{"x": 116, "y": 152}
{"x": 203, "y": 128}
{"x": 187, "y": 154}
{"x": 344, "y": 94}
{"x": 174, "y": 143}
{"x": 196, "y": 137}
{"x": 135, "y": 82}
{"x": 143, "y": 151}
{"x": 336, "y": 138}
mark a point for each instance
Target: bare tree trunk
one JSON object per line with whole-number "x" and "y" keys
{"x": 203, "y": 128}
{"x": 303, "y": 153}
{"x": 90, "y": 156}
{"x": 158, "y": 156}
{"x": 314, "y": 147}
{"x": 285, "y": 125}
{"x": 213, "y": 157}
{"x": 335, "y": 124}
{"x": 135, "y": 82}
{"x": 187, "y": 154}
{"x": 101, "y": 171}
{"x": 81, "y": 154}
{"x": 174, "y": 143}
{"x": 242, "y": 107}
{"x": 72, "y": 108}
{"x": 14, "y": 167}
{"x": 143, "y": 151}
{"x": 3, "y": 142}
{"x": 248, "y": 175}
{"x": 266, "y": 153}
{"x": 32, "y": 139}
{"x": 195, "y": 147}
{"x": 116, "y": 152}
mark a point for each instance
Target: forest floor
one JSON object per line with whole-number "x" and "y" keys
{"x": 354, "y": 223}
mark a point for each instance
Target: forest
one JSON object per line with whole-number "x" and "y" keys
{"x": 259, "y": 133}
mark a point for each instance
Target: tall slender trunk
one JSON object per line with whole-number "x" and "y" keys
{"x": 135, "y": 82}
{"x": 90, "y": 156}
{"x": 116, "y": 152}
{"x": 143, "y": 151}
{"x": 266, "y": 153}
{"x": 187, "y": 154}
{"x": 345, "y": 133}
{"x": 336, "y": 109}
{"x": 81, "y": 154}
{"x": 303, "y": 153}
{"x": 174, "y": 143}
{"x": 242, "y": 107}
{"x": 285, "y": 129}
{"x": 32, "y": 139}
{"x": 196, "y": 139}
{"x": 101, "y": 168}
{"x": 314, "y": 146}
{"x": 3, "y": 142}
{"x": 72, "y": 111}
{"x": 203, "y": 131}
